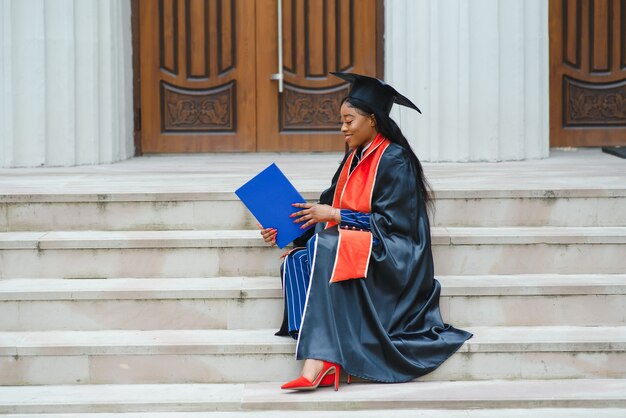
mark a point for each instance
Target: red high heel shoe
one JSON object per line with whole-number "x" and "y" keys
{"x": 328, "y": 380}
{"x": 302, "y": 383}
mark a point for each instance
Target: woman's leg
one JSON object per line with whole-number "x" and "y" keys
{"x": 295, "y": 272}
{"x": 311, "y": 367}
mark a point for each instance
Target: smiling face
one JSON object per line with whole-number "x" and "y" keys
{"x": 358, "y": 129}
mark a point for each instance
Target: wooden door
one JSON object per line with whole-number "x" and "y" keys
{"x": 206, "y": 67}
{"x": 318, "y": 36}
{"x": 587, "y": 72}
{"x": 198, "y": 75}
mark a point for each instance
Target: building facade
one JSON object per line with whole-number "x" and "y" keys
{"x": 94, "y": 81}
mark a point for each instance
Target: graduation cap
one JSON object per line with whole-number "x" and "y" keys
{"x": 374, "y": 92}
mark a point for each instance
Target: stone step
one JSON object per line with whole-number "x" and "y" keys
{"x": 234, "y": 302}
{"x": 235, "y": 356}
{"x": 540, "y": 398}
{"x": 366, "y": 413}
{"x": 222, "y": 210}
{"x": 457, "y": 251}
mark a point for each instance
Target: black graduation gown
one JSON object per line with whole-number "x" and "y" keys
{"x": 386, "y": 327}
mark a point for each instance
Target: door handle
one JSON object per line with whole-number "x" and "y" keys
{"x": 280, "y": 76}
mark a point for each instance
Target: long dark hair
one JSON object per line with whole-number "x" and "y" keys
{"x": 390, "y": 130}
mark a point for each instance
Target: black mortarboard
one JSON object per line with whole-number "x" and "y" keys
{"x": 374, "y": 92}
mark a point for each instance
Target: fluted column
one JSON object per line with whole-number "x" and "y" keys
{"x": 65, "y": 82}
{"x": 478, "y": 70}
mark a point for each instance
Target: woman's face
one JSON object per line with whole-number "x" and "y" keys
{"x": 357, "y": 129}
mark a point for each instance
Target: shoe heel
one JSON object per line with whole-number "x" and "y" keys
{"x": 349, "y": 378}
{"x": 337, "y": 373}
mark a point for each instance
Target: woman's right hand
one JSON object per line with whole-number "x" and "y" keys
{"x": 268, "y": 234}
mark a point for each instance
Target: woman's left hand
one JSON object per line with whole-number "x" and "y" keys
{"x": 313, "y": 213}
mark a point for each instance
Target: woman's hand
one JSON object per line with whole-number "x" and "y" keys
{"x": 313, "y": 213}
{"x": 268, "y": 234}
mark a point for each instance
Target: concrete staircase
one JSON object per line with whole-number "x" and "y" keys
{"x": 167, "y": 303}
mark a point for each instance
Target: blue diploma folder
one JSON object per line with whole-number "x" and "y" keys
{"x": 269, "y": 196}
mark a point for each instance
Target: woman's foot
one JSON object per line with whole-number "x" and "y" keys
{"x": 312, "y": 368}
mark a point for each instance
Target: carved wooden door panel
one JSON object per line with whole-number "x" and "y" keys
{"x": 587, "y": 72}
{"x": 318, "y": 36}
{"x": 197, "y": 64}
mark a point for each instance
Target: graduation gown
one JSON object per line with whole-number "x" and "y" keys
{"x": 383, "y": 323}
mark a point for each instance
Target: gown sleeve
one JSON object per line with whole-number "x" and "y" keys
{"x": 400, "y": 222}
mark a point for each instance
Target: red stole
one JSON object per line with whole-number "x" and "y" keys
{"x": 354, "y": 191}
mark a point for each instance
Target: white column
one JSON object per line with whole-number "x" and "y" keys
{"x": 478, "y": 70}
{"x": 6, "y": 92}
{"x": 65, "y": 82}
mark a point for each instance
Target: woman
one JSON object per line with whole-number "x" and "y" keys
{"x": 362, "y": 296}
